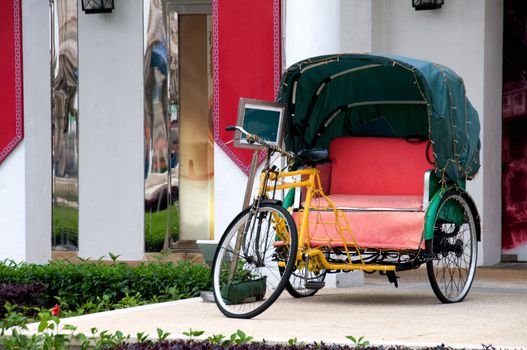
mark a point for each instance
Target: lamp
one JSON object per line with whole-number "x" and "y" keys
{"x": 97, "y": 6}
{"x": 427, "y": 4}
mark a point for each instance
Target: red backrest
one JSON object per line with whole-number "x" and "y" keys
{"x": 377, "y": 166}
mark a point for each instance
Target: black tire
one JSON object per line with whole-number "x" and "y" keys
{"x": 246, "y": 283}
{"x": 296, "y": 284}
{"x": 454, "y": 248}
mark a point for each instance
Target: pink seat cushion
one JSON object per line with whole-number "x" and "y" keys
{"x": 380, "y": 230}
{"x": 399, "y": 230}
{"x": 377, "y": 166}
{"x": 373, "y": 172}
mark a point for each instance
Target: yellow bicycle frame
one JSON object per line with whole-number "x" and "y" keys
{"x": 275, "y": 181}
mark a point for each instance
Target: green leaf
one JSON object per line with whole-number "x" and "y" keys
{"x": 216, "y": 338}
{"x": 113, "y": 256}
{"x": 42, "y": 326}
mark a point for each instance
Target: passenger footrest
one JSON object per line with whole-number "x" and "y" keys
{"x": 315, "y": 285}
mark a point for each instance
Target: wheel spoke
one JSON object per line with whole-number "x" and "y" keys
{"x": 246, "y": 272}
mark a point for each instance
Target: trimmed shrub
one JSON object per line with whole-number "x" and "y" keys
{"x": 77, "y": 285}
{"x": 28, "y": 295}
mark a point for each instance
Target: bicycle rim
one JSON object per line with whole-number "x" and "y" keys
{"x": 297, "y": 281}
{"x": 455, "y": 248}
{"x": 246, "y": 276}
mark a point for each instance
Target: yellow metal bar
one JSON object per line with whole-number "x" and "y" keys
{"x": 348, "y": 266}
{"x": 344, "y": 266}
{"x": 303, "y": 232}
{"x": 287, "y": 185}
{"x": 272, "y": 176}
{"x": 282, "y": 186}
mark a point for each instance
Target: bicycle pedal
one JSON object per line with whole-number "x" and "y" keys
{"x": 315, "y": 285}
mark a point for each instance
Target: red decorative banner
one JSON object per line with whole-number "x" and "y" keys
{"x": 247, "y": 63}
{"x": 11, "y": 97}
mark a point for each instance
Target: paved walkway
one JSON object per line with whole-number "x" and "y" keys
{"x": 494, "y": 313}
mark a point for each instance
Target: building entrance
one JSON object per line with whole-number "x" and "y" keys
{"x": 514, "y": 177}
{"x": 178, "y": 127}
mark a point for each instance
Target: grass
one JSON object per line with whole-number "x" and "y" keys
{"x": 65, "y": 227}
{"x": 155, "y": 228}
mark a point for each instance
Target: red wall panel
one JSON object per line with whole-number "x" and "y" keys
{"x": 11, "y": 98}
{"x": 246, "y": 59}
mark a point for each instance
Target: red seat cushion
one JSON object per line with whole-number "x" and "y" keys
{"x": 399, "y": 202}
{"x": 377, "y": 166}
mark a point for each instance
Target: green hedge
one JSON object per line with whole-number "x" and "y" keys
{"x": 78, "y": 285}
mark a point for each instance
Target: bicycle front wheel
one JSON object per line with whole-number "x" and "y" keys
{"x": 246, "y": 275}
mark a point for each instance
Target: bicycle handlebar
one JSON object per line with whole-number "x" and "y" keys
{"x": 253, "y": 138}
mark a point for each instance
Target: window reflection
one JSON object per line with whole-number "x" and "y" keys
{"x": 64, "y": 73}
{"x": 161, "y": 155}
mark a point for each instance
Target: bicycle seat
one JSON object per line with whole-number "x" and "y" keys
{"x": 313, "y": 156}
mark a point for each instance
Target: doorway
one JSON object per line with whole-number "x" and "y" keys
{"x": 196, "y": 141}
{"x": 514, "y": 173}
{"x": 179, "y": 148}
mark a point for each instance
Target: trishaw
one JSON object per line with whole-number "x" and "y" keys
{"x": 377, "y": 152}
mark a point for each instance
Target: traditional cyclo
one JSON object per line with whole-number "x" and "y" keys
{"x": 378, "y": 153}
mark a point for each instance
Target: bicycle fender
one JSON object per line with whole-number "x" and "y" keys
{"x": 272, "y": 201}
{"x": 434, "y": 204}
{"x": 431, "y": 213}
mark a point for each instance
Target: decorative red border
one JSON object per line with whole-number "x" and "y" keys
{"x": 216, "y": 69}
{"x": 19, "y": 96}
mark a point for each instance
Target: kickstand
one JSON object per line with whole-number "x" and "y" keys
{"x": 392, "y": 277}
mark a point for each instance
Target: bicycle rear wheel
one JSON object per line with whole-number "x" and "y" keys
{"x": 296, "y": 286}
{"x": 246, "y": 268}
{"x": 452, "y": 270}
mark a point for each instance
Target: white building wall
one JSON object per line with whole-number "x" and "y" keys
{"x": 491, "y": 208}
{"x": 229, "y": 190}
{"x": 312, "y": 29}
{"x": 467, "y": 37}
{"x": 356, "y": 26}
{"x": 25, "y": 175}
{"x": 12, "y": 205}
{"x": 111, "y": 132}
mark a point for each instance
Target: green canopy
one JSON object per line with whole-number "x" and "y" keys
{"x": 386, "y": 96}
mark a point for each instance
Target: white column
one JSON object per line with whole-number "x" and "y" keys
{"x": 491, "y": 135}
{"x": 356, "y": 26}
{"x": 312, "y": 29}
{"x": 25, "y": 175}
{"x": 37, "y": 127}
{"x": 321, "y": 27}
{"x": 111, "y": 132}
{"x": 467, "y": 37}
